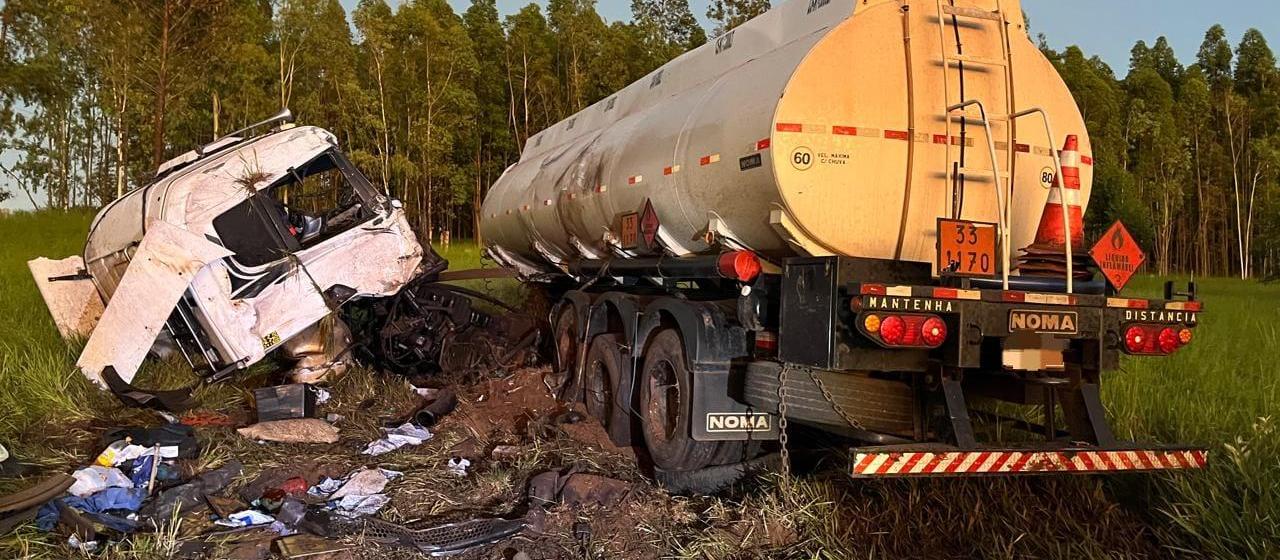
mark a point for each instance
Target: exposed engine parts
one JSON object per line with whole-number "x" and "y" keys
{"x": 430, "y": 327}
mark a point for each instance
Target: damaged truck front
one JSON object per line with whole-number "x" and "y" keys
{"x": 236, "y": 249}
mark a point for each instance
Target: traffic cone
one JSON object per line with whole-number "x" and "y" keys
{"x": 1046, "y": 256}
{"x": 1051, "y": 231}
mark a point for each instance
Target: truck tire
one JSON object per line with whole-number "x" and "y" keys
{"x": 666, "y": 405}
{"x": 601, "y": 377}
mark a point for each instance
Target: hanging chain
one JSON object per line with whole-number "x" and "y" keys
{"x": 826, "y": 394}
{"x": 782, "y": 422}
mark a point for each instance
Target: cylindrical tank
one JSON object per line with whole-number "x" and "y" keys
{"x": 818, "y": 128}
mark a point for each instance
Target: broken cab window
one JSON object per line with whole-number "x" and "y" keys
{"x": 311, "y": 203}
{"x": 321, "y": 199}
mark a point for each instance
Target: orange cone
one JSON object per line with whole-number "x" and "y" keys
{"x": 1046, "y": 256}
{"x": 1052, "y": 231}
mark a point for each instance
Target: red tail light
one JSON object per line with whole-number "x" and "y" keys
{"x": 911, "y": 331}
{"x": 934, "y": 331}
{"x": 892, "y": 330}
{"x": 1155, "y": 340}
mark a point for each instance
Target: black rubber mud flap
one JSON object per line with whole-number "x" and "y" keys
{"x": 173, "y": 400}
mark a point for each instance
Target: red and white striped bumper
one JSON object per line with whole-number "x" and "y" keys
{"x": 883, "y": 464}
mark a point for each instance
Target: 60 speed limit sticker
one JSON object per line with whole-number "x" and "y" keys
{"x": 802, "y": 158}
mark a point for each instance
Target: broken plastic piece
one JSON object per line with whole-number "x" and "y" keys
{"x": 405, "y": 434}
{"x": 458, "y": 466}
{"x": 96, "y": 478}
{"x": 246, "y": 518}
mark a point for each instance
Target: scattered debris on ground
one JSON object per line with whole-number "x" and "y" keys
{"x": 504, "y": 467}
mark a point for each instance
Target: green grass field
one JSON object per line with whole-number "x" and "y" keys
{"x": 1220, "y": 392}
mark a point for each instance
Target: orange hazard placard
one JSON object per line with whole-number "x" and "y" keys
{"x": 966, "y": 248}
{"x": 630, "y": 230}
{"x": 1118, "y": 255}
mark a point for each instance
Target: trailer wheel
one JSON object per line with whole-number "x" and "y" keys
{"x": 567, "y": 349}
{"x": 666, "y": 404}
{"x": 602, "y": 375}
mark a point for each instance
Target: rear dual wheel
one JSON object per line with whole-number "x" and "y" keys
{"x": 666, "y": 404}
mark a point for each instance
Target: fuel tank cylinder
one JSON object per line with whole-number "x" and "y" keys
{"x": 822, "y": 127}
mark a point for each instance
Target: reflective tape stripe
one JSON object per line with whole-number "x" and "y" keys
{"x": 1013, "y": 462}
{"x": 708, "y": 160}
{"x": 762, "y": 144}
{"x": 898, "y": 291}
{"x": 671, "y": 170}
{"x": 1124, "y": 303}
{"x": 635, "y": 180}
{"x": 1182, "y": 305}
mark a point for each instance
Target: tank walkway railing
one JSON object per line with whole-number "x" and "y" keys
{"x": 1061, "y": 184}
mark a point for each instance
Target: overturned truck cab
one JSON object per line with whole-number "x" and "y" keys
{"x": 239, "y": 248}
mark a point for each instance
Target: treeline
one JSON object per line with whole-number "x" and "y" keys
{"x": 434, "y": 104}
{"x": 1187, "y": 157}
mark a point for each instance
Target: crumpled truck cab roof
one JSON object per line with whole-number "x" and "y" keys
{"x": 234, "y": 250}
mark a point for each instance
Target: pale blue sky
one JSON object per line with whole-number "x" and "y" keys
{"x": 1107, "y": 28}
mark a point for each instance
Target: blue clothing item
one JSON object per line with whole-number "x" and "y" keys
{"x": 110, "y": 499}
{"x": 141, "y": 474}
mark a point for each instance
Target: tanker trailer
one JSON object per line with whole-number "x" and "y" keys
{"x": 861, "y": 216}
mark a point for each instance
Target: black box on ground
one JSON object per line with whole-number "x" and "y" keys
{"x": 283, "y": 402}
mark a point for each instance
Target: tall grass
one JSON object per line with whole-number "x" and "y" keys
{"x": 39, "y": 386}
{"x": 1222, "y": 391}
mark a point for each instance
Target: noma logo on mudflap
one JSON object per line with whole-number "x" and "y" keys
{"x": 1056, "y": 322}
{"x": 737, "y": 422}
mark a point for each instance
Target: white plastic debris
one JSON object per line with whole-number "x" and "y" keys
{"x": 96, "y": 478}
{"x": 131, "y": 452}
{"x": 406, "y": 434}
{"x": 86, "y": 547}
{"x": 4, "y": 454}
{"x": 363, "y": 483}
{"x": 356, "y": 505}
{"x": 322, "y": 396}
{"x": 359, "y": 481}
{"x": 246, "y": 518}
{"x": 458, "y": 466}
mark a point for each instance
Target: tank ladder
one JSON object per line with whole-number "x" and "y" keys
{"x": 951, "y": 15}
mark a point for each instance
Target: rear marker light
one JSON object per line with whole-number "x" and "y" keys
{"x": 1184, "y": 336}
{"x": 1155, "y": 340}
{"x": 871, "y": 323}
{"x": 742, "y": 265}
{"x": 915, "y": 331}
